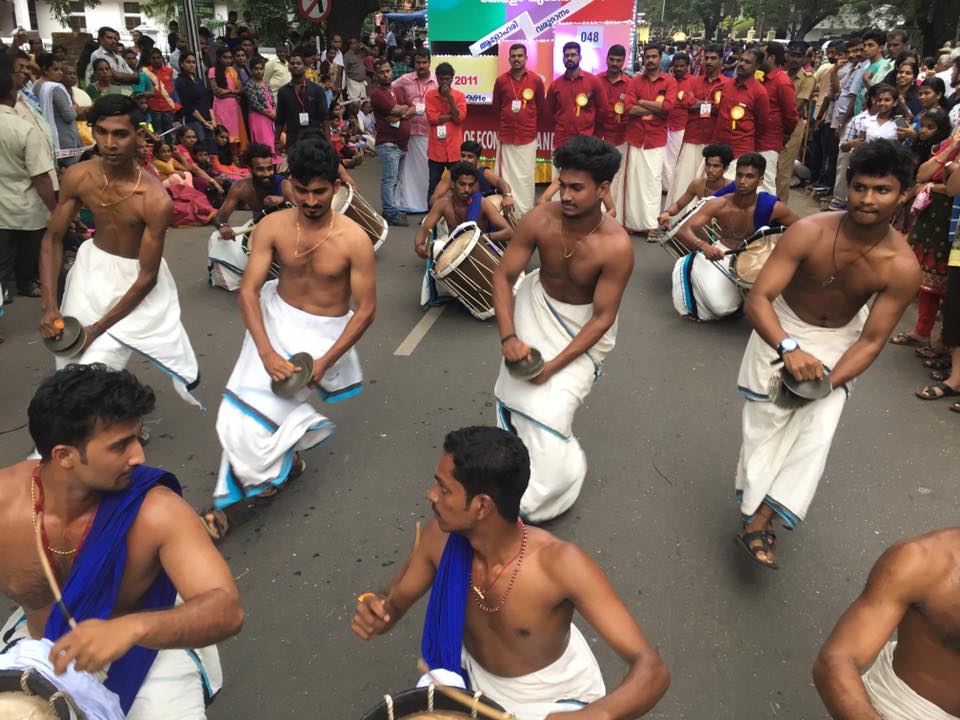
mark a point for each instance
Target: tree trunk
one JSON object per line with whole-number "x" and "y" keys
{"x": 934, "y": 30}
{"x": 710, "y": 24}
{"x": 346, "y": 17}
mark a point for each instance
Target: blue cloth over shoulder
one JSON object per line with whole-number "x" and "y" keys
{"x": 94, "y": 582}
{"x": 447, "y": 610}
{"x": 763, "y": 210}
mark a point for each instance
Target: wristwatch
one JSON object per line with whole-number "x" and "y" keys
{"x": 788, "y": 344}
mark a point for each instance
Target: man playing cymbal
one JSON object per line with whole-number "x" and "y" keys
{"x": 503, "y": 594}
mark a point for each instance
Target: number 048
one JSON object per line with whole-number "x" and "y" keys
{"x": 592, "y": 36}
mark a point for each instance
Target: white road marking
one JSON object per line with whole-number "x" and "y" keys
{"x": 419, "y": 331}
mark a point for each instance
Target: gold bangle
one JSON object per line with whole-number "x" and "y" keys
{"x": 365, "y": 595}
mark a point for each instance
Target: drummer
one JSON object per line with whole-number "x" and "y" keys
{"x": 716, "y": 159}
{"x": 263, "y": 190}
{"x": 326, "y": 263}
{"x": 465, "y": 204}
{"x": 503, "y": 595}
{"x": 703, "y": 288}
{"x": 488, "y": 183}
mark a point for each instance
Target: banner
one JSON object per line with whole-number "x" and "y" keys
{"x": 473, "y": 76}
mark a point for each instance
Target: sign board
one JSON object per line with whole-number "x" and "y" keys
{"x": 473, "y": 75}
{"x": 314, "y": 10}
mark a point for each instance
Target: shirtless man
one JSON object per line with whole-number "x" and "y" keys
{"x": 513, "y": 621}
{"x": 716, "y": 158}
{"x": 703, "y": 288}
{"x": 122, "y": 544}
{"x": 809, "y": 309}
{"x": 464, "y": 204}
{"x": 263, "y": 190}
{"x": 119, "y": 287}
{"x": 325, "y": 261}
{"x": 586, "y": 260}
{"x": 912, "y": 589}
{"x": 487, "y": 183}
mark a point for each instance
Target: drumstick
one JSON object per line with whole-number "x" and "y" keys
{"x": 52, "y": 579}
{"x": 463, "y": 698}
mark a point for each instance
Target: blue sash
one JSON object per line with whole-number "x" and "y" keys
{"x": 473, "y": 209}
{"x": 763, "y": 209}
{"x": 447, "y": 609}
{"x": 94, "y": 581}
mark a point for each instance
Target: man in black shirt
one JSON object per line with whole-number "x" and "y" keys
{"x": 301, "y": 104}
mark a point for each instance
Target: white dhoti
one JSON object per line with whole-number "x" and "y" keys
{"x": 226, "y": 261}
{"x": 356, "y": 90}
{"x": 616, "y": 187}
{"x": 411, "y": 194}
{"x": 785, "y": 450}
{"x": 688, "y": 168}
{"x": 260, "y": 431}
{"x": 671, "y": 153}
{"x": 892, "y": 697}
{"x": 517, "y": 164}
{"x": 641, "y": 188}
{"x": 705, "y": 289}
{"x": 542, "y": 415}
{"x": 567, "y": 684}
{"x": 96, "y": 283}
{"x": 180, "y": 683}
{"x": 770, "y": 174}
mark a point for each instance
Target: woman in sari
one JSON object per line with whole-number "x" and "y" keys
{"x": 226, "y": 98}
{"x": 102, "y": 80}
{"x": 190, "y": 206}
{"x": 57, "y": 106}
{"x": 262, "y": 110}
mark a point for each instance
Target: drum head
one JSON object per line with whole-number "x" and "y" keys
{"x": 342, "y": 198}
{"x": 747, "y": 265}
{"x": 415, "y": 703}
{"x": 458, "y": 247}
{"x": 15, "y": 703}
{"x": 497, "y": 201}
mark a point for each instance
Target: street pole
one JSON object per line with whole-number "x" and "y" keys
{"x": 193, "y": 35}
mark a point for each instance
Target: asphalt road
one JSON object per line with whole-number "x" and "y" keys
{"x": 661, "y": 433}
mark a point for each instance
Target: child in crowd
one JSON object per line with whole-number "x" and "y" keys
{"x": 225, "y": 162}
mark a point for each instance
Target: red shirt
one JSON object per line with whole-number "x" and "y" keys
{"x": 650, "y": 131}
{"x": 518, "y": 128}
{"x": 748, "y": 100}
{"x": 384, "y": 99}
{"x": 700, "y": 130}
{"x": 614, "y": 123}
{"x": 156, "y": 102}
{"x": 783, "y": 110}
{"x": 560, "y": 106}
{"x": 444, "y": 149}
{"x": 677, "y": 119}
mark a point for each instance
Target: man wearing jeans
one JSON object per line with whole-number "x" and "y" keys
{"x": 393, "y": 132}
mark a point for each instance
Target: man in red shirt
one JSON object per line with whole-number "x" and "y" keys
{"x": 707, "y": 89}
{"x": 649, "y": 100}
{"x": 678, "y": 116}
{"x": 518, "y": 100}
{"x": 393, "y": 133}
{"x": 783, "y": 112}
{"x": 615, "y": 118}
{"x": 446, "y": 111}
{"x": 744, "y": 111}
{"x": 573, "y": 100}
{"x": 161, "y": 102}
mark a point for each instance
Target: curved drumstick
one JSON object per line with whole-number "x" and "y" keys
{"x": 463, "y": 698}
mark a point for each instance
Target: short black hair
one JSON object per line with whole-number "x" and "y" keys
{"x": 99, "y": 61}
{"x": 444, "y": 69}
{"x": 778, "y": 52}
{"x": 519, "y": 46}
{"x": 617, "y": 51}
{"x": 936, "y": 84}
{"x": 6, "y": 85}
{"x": 714, "y": 48}
{"x": 653, "y": 46}
{"x": 879, "y": 158}
{"x": 313, "y": 156}
{"x": 380, "y": 63}
{"x": 257, "y": 60}
{"x": 878, "y": 36}
{"x": 757, "y": 53}
{"x": 184, "y": 55}
{"x": 104, "y": 30}
{"x": 493, "y": 462}
{"x": 682, "y": 56}
{"x": 720, "y": 150}
{"x": 754, "y": 160}
{"x": 902, "y": 34}
{"x": 591, "y": 154}
{"x": 886, "y": 88}
{"x": 115, "y": 105}
{"x": 421, "y": 53}
{"x": 458, "y": 169}
{"x": 68, "y": 405}
{"x": 572, "y": 46}
{"x": 257, "y": 150}
{"x": 471, "y": 146}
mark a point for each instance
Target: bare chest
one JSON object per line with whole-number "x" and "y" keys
{"x": 942, "y": 612}
{"x": 321, "y": 260}
{"x": 569, "y": 274}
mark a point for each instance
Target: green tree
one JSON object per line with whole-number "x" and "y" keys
{"x": 798, "y": 17}
{"x": 60, "y": 9}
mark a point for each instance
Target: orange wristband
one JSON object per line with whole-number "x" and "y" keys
{"x": 365, "y": 595}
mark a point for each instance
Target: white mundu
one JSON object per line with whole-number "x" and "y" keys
{"x": 517, "y": 165}
{"x": 642, "y": 188}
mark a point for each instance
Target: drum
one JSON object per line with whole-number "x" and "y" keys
{"x": 750, "y": 258}
{"x": 511, "y": 217}
{"x": 350, "y": 203}
{"x": 27, "y": 694}
{"x": 466, "y": 265}
{"x": 668, "y": 239}
{"x": 425, "y": 703}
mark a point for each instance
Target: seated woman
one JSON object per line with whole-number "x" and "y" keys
{"x": 202, "y": 180}
{"x": 190, "y": 206}
{"x": 170, "y": 170}
{"x": 225, "y": 161}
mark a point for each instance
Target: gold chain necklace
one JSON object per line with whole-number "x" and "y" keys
{"x": 107, "y": 182}
{"x": 567, "y": 255}
{"x": 37, "y": 521}
{"x": 296, "y": 252}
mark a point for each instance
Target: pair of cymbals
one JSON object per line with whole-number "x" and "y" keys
{"x": 71, "y": 339}
{"x": 526, "y": 368}
{"x": 298, "y": 381}
{"x": 807, "y": 389}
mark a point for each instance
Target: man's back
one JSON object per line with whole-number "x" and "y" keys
{"x": 24, "y": 154}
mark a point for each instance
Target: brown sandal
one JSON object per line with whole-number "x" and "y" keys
{"x": 216, "y": 523}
